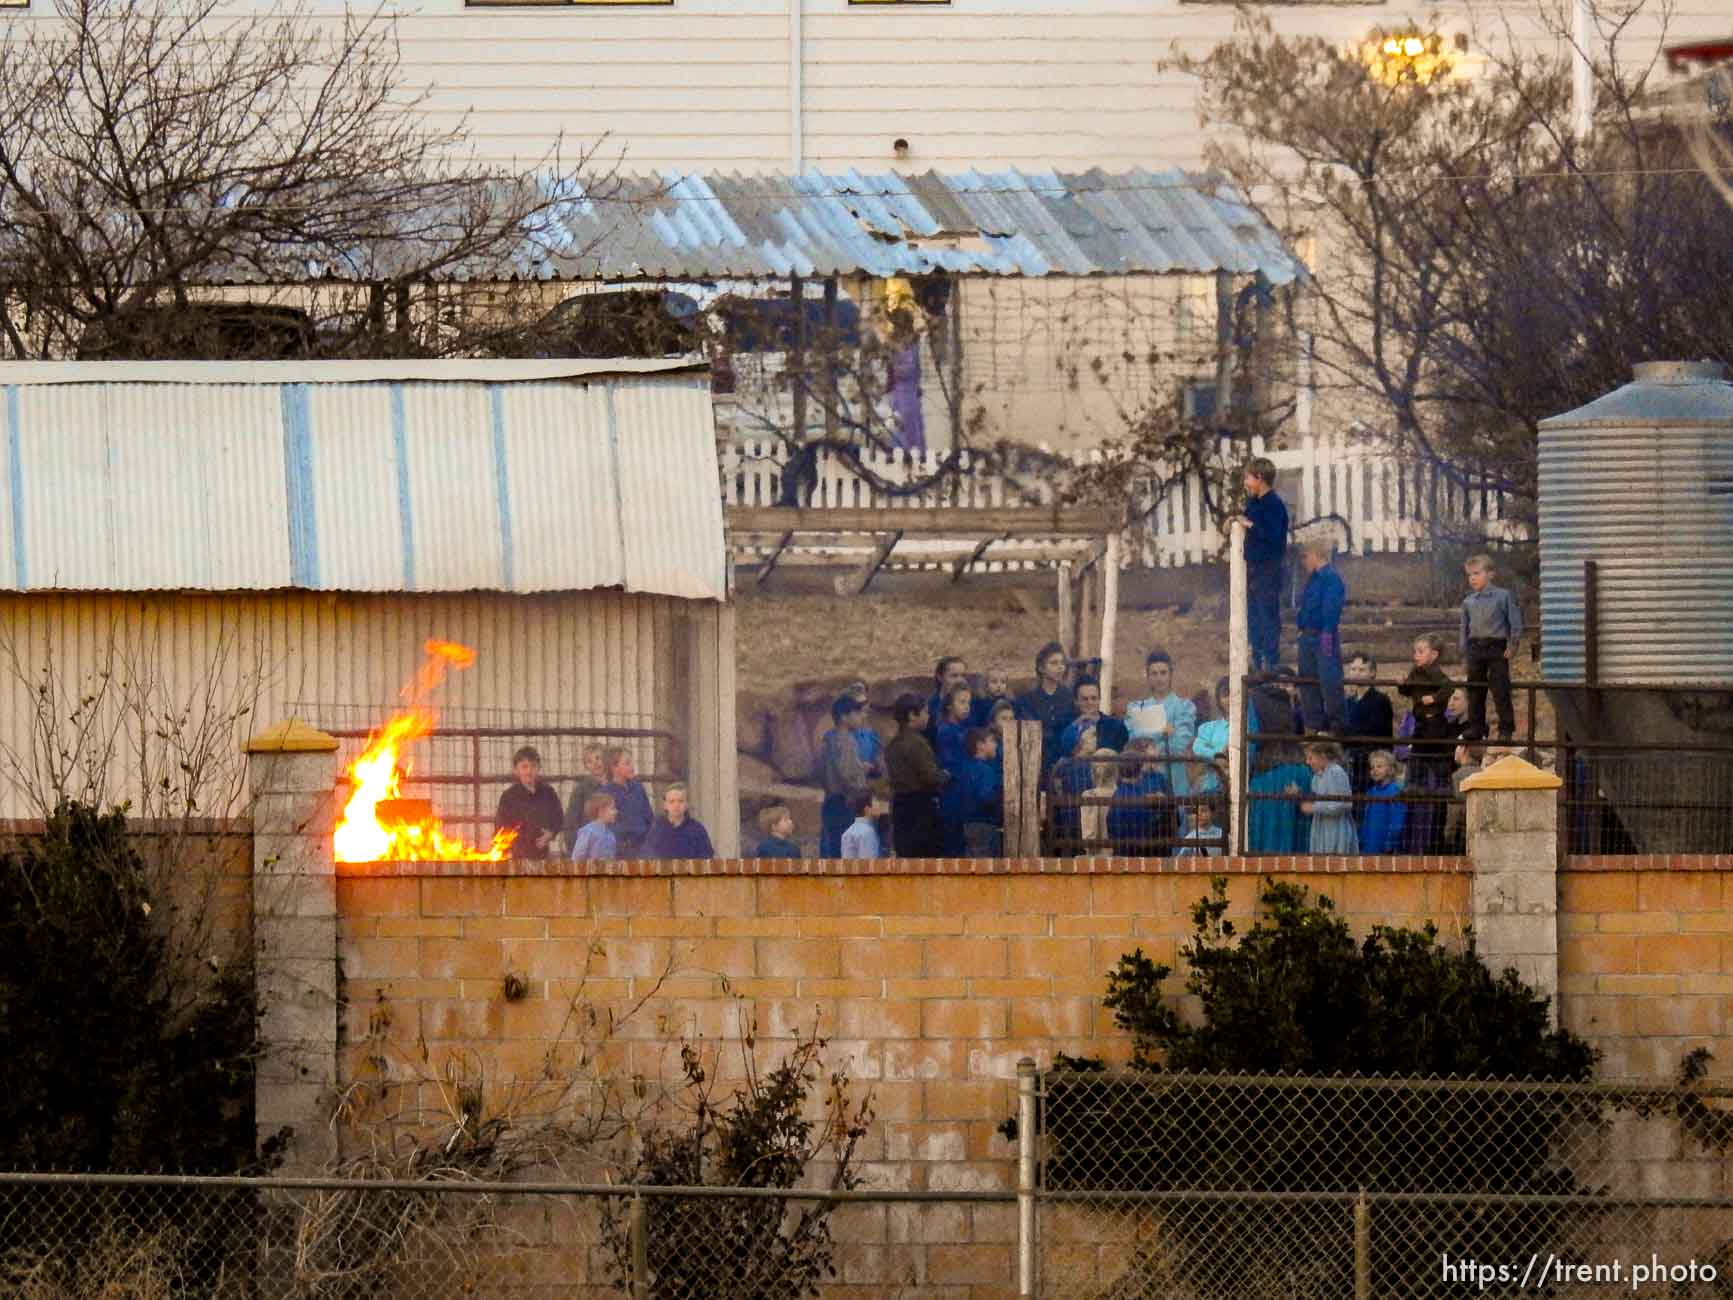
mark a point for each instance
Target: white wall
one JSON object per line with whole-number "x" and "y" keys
{"x": 972, "y": 83}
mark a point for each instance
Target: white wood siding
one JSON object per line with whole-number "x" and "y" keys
{"x": 974, "y": 83}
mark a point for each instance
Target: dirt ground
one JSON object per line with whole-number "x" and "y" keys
{"x": 800, "y": 631}
{"x": 788, "y": 639}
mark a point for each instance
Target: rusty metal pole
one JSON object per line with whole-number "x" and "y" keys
{"x": 637, "y": 1230}
{"x": 475, "y": 783}
{"x": 1362, "y": 1248}
{"x": 1028, "y": 1274}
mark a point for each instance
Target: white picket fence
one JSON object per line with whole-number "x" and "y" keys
{"x": 1375, "y": 502}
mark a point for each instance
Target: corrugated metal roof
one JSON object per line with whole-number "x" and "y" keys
{"x": 359, "y": 476}
{"x": 688, "y": 226}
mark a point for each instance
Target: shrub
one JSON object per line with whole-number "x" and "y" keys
{"x": 112, "y": 1066}
{"x": 104, "y": 1070}
{"x": 763, "y": 1136}
{"x": 1297, "y": 996}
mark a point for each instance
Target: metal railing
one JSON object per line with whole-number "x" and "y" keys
{"x": 463, "y": 769}
{"x": 1643, "y": 769}
{"x": 1246, "y": 1187}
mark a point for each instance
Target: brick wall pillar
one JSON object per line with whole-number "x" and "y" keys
{"x": 292, "y": 773}
{"x": 1512, "y": 818}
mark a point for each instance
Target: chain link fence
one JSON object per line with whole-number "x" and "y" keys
{"x": 1129, "y": 1186}
{"x": 124, "y": 1237}
{"x": 1269, "y": 1188}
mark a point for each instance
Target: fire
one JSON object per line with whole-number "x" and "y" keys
{"x": 370, "y": 833}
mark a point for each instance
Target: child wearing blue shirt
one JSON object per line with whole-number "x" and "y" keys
{"x": 1266, "y": 549}
{"x": 861, "y": 839}
{"x": 1382, "y": 822}
{"x": 594, "y": 841}
{"x": 1321, "y": 701}
{"x": 777, "y": 823}
{"x": 971, "y": 802}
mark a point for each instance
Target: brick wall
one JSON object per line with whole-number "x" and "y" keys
{"x": 935, "y": 979}
{"x": 1646, "y": 959}
{"x": 933, "y": 984}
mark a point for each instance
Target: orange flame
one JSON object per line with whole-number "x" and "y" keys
{"x": 361, "y": 835}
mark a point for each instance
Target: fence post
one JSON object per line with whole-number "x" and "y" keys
{"x": 635, "y": 1228}
{"x": 1028, "y": 1274}
{"x": 1362, "y": 1248}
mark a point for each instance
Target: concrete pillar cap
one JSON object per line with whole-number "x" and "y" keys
{"x": 290, "y": 736}
{"x": 1512, "y": 773}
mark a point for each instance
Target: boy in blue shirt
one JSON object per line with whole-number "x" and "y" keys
{"x": 777, "y": 823}
{"x": 861, "y": 839}
{"x": 1491, "y": 632}
{"x": 594, "y": 841}
{"x": 971, "y": 801}
{"x": 1266, "y": 549}
{"x": 1319, "y": 619}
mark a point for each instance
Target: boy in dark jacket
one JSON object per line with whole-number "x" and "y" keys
{"x": 915, "y": 779}
{"x": 530, "y": 807}
{"x": 1266, "y": 549}
{"x": 777, "y": 823}
{"x": 972, "y": 803}
{"x": 676, "y": 835}
{"x": 1428, "y": 692}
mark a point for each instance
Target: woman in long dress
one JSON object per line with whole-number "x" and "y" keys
{"x": 1330, "y": 808}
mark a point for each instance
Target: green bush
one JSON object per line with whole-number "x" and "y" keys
{"x": 1260, "y": 1096}
{"x": 105, "y": 1070}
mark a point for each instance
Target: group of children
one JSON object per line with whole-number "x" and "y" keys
{"x": 1385, "y": 787}
{"x": 1150, "y": 782}
{"x": 608, "y": 816}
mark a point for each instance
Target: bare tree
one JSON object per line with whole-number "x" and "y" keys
{"x": 153, "y": 154}
{"x": 1481, "y": 267}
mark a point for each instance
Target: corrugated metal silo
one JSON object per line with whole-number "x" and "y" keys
{"x": 1641, "y": 482}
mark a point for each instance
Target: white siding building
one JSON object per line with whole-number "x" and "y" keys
{"x": 782, "y": 85}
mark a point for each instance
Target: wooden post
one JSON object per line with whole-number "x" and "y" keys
{"x": 1022, "y": 749}
{"x": 1109, "y": 617}
{"x": 1067, "y": 625}
{"x": 1239, "y": 663}
{"x": 832, "y": 396}
{"x": 954, "y": 310}
{"x": 1029, "y": 814}
{"x": 1011, "y": 770}
{"x": 1224, "y": 347}
{"x": 797, "y": 360}
{"x": 1084, "y": 605}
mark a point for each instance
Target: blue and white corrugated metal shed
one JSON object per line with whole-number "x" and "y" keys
{"x": 1013, "y": 223}
{"x": 512, "y": 476}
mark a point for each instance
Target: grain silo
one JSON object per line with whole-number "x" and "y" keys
{"x": 1636, "y": 543}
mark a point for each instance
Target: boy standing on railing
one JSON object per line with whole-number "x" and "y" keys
{"x": 1491, "y": 631}
{"x": 1266, "y": 548}
{"x": 1319, "y": 620}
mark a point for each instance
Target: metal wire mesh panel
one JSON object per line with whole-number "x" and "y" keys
{"x": 1243, "y": 1187}
{"x": 104, "y": 1237}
